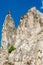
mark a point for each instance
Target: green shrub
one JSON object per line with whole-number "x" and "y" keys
{"x": 11, "y": 49}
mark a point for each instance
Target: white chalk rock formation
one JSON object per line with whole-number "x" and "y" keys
{"x": 8, "y": 32}
{"x": 8, "y": 39}
{"x": 27, "y": 38}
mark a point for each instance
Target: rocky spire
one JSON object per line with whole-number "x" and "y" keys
{"x": 8, "y": 31}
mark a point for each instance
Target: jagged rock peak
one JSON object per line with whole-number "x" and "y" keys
{"x": 32, "y": 11}
{"x": 8, "y": 31}
{"x": 31, "y": 16}
{"x": 34, "y": 8}
{"x": 8, "y": 16}
{"x": 9, "y": 22}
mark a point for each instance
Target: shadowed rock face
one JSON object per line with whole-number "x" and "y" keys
{"x": 27, "y": 38}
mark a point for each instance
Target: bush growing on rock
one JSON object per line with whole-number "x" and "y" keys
{"x": 11, "y": 49}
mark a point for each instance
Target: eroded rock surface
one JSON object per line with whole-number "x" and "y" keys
{"x": 8, "y": 32}
{"x": 28, "y": 40}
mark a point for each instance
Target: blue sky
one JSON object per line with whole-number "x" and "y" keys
{"x": 17, "y": 8}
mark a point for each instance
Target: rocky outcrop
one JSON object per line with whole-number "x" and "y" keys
{"x": 8, "y": 32}
{"x": 28, "y": 40}
{"x": 8, "y": 39}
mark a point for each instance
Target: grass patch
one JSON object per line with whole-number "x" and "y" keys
{"x": 11, "y": 49}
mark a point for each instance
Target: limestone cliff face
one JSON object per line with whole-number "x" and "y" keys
{"x": 30, "y": 24}
{"x": 27, "y": 38}
{"x": 8, "y": 32}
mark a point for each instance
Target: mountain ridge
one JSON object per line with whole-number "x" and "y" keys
{"x": 27, "y": 39}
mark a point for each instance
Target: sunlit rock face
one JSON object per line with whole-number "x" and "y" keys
{"x": 8, "y": 32}
{"x": 30, "y": 25}
{"x": 8, "y": 39}
{"x": 28, "y": 40}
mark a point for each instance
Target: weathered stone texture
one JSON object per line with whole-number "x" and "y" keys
{"x": 27, "y": 38}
